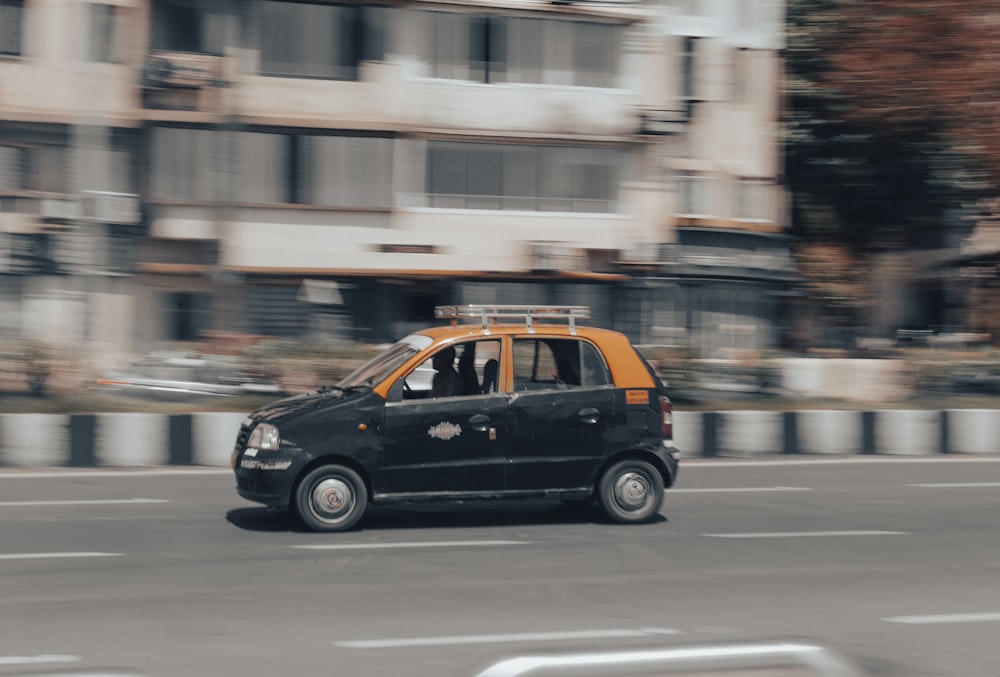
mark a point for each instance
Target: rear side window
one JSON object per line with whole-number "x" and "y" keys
{"x": 557, "y": 363}
{"x": 594, "y": 370}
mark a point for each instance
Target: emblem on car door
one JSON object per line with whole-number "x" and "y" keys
{"x": 445, "y": 431}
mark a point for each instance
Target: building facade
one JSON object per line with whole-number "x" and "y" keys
{"x": 171, "y": 168}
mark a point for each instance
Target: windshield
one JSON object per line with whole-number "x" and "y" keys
{"x": 378, "y": 368}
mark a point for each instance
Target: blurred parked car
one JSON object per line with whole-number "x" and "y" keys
{"x": 169, "y": 375}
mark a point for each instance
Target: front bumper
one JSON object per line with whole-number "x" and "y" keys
{"x": 268, "y": 481}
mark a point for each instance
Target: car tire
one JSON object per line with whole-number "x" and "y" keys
{"x": 331, "y": 498}
{"x": 631, "y": 491}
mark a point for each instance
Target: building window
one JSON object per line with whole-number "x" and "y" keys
{"x": 188, "y": 26}
{"x": 188, "y": 315}
{"x": 184, "y": 165}
{"x": 596, "y": 54}
{"x": 523, "y": 50}
{"x": 522, "y": 177}
{"x": 11, "y": 27}
{"x": 277, "y": 311}
{"x": 757, "y": 200}
{"x": 694, "y": 194}
{"x": 105, "y": 29}
{"x": 320, "y": 41}
{"x": 525, "y": 60}
{"x": 11, "y": 172}
{"x": 688, "y": 51}
{"x": 451, "y": 45}
{"x": 207, "y": 165}
{"x": 256, "y": 167}
{"x": 106, "y": 161}
{"x": 33, "y": 168}
{"x": 345, "y": 171}
{"x": 262, "y": 168}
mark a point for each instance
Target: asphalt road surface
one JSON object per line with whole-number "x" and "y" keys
{"x": 894, "y": 562}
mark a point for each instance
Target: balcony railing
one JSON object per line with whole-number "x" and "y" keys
{"x": 728, "y": 257}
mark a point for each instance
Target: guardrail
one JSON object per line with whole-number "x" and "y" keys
{"x": 206, "y": 439}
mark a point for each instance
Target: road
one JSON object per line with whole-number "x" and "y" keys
{"x": 893, "y": 561}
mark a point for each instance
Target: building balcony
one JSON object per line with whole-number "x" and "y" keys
{"x": 384, "y": 98}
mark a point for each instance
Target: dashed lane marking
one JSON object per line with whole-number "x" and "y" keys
{"x": 17, "y": 474}
{"x": 58, "y": 555}
{"x": 946, "y": 618}
{"x": 405, "y": 544}
{"x": 806, "y": 534}
{"x": 613, "y": 633}
{"x": 702, "y": 462}
{"x": 954, "y": 485}
{"x": 108, "y": 501}
{"x": 38, "y": 660}
{"x": 735, "y": 490}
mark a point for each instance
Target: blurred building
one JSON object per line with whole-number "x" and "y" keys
{"x": 175, "y": 167}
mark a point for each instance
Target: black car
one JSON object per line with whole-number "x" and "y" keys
{"x": 521, "y": 410}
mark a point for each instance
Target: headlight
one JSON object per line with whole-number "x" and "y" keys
{"x": 264, "y": 437}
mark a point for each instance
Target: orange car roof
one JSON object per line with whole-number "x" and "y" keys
{"x": 627, "y": 368}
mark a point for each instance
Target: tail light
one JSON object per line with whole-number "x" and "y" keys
{"x": 667, "y": 410}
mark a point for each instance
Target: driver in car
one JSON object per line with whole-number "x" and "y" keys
{"x": 447, "y": 382}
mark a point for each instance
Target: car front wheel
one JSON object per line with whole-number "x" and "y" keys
{"x": 331, "y": 498}
{"x": 631, "y": 491}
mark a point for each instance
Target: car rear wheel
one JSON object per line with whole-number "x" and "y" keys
{"x": 331, "y": 498}
{"x": 631, "y": 491}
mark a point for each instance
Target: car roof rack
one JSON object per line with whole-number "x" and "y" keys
{"x": 486, "y": 313}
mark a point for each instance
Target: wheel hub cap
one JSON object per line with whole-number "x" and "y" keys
{"x": 632, "y": 490}
{"x": 332, "y": 498}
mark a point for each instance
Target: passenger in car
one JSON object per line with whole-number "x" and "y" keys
{"x": 446, "y": 382}
{"x": 467, "y": 370}
{"x": 491, "y": 372}
{"x": 569, "y": 373}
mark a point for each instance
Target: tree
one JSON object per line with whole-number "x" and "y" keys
{"x": 929, "y": 66}
{"x": 892, "y": 129}
{"x": 887, "y": 128}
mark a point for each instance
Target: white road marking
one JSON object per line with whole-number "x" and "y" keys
{"x": 614, "y": 633}
{"x": 36, "y": 660}
{"x": 14, "y": 474}
{"x": 812, "y": 460}
{"x": 945, "y": 618}
{"x": 59, "y": 555}
{"x": 955, "y": 485}
{"x": 806, "y": 534}
{"x": 406, "y": 544}
{"x": 109, "y": 501}
{"x": 735, "y": 490}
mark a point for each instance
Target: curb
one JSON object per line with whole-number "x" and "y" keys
{"x": 206, "y": 439}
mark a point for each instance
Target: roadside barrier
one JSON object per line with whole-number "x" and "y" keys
{"x": 206, "y": 439}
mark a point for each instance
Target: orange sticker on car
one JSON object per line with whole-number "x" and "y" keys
{"x": 636, "y": 397}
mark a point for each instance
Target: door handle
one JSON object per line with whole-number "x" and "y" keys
{"x": 480, "y": 422}
{"x": 588, "y": 415}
